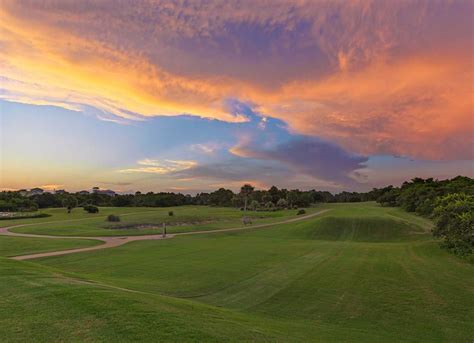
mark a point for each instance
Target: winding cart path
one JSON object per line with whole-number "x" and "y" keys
{"x": 115, "y": 241}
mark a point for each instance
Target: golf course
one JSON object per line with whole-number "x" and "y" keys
{"x": 340, "y": 272}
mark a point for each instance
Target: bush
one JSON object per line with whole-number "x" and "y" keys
{"x": 170, "y": 213}
{"x": 91, "y": 209}
{"x": 282, "y": 203}
{"x": 18, "y": 205}
{"x": 113, "y": 218}
{"x": 300, "y": 212}
{"x": 254, "y": 205}
{"x": 454, "y": 215}
{"x": 269, "y": 205}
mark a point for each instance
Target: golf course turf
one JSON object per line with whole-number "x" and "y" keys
{"x": 145, "y": 221}
{"x": 357, "y": 272}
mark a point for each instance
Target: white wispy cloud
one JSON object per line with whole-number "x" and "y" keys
{"x": 153, "y": 166}
{"x": 207, "y": 148}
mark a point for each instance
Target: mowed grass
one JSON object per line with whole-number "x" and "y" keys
{"x": 358, "y": 272}
{"x": 15, "y": 246}
{"x": 143, "y": 221}
{"x": 376, "y": 276}
{"x": 77, "y": 214}
{"x": 41, "y": 304}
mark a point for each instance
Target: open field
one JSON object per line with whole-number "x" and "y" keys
{"x": 145, "y": 221}
{"x": 14, "y": 246}
{"x": 358, "y": 272}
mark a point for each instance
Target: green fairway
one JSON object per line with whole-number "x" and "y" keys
{"x": 358, "y": 272}
{"x": 14, "y": 246}
{"x": 42, "y": 305}
{"x": 144, "y": 221}
{"x": 78, "y": 214}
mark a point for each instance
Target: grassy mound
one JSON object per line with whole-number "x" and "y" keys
{"x": 360, "y": 229}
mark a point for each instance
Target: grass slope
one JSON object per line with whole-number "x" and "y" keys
{"x": 375, "y": 276}
{"x": 40, "y": 304}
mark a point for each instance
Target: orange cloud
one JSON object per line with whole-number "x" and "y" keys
{"x": 43, "y": 65}
{"x": 377, "y": 77}
{"x": 415, "y": 108}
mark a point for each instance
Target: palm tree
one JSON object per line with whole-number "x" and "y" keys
{"x": 245, "y": 192}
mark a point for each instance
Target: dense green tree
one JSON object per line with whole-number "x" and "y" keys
{"x": 47, "y": 200}
{"x": 221, "y": 197}
{"x": 18, "y": 205}
{"x": 275, "y": 194}
{"x": 454, "y": 215}
{"x": 122, "y": 200}
{"x": 69, "y": 202}
{"x": 389, "y": 197}
{"x": 304, "y": 199}
{"x": 419, "y": 195}
{"x": 292, "y": 197}
{"x": 267, "y": 198}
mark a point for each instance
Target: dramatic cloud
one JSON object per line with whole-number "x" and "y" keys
{"x": 308, "y": 156}
{"x": 234, "y": 170}
{"x": 377, "y": 77}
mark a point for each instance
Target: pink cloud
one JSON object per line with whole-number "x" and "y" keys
{"x": 377, "y": 77}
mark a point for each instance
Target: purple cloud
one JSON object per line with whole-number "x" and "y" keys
{"x": 309, "y": 156}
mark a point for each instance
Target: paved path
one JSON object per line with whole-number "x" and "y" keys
{"x": 115, "y": 241}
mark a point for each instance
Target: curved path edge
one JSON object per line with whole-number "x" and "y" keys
{"x": 115, "y": 241}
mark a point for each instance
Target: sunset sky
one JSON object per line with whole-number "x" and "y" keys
{"x": 190, "y": 96}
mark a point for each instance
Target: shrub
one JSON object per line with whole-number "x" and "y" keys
{"x": 247, "y": 220}
{"x": 91, "y": 209}
{"x": 170, "y": 213}
{"x": 301, "y": 211}
{"x": 282, "y": 203}
{"x": 269, "y": 205}
{"x": 113, "y": 218}
{"x": 254, "y": 205}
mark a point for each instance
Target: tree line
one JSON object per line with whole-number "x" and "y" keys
{"x": 450, "y": 203}
{"x": 256, "y": 199}
{"x": 417, "y": 195}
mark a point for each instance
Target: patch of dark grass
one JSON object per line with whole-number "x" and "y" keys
{"x": 26, "y": 216}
